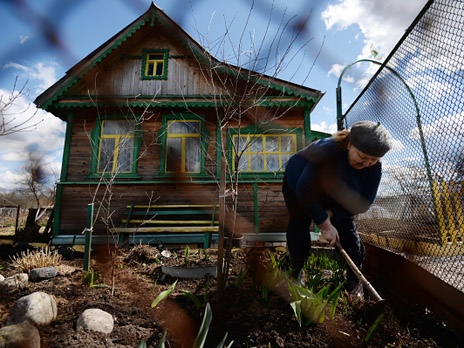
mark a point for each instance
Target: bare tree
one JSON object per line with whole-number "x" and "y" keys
{"x": 241, "y": 88}
{"x": 39, "y": 198}
{"x": 34, "y": 176}
{"x": 35, "y": 183}
{"x": 103, "y": 194}
{"x": 13, "y": 120}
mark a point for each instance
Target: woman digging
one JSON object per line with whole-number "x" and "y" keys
{"x": 329, "y": 182}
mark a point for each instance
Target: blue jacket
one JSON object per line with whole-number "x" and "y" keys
{"x": 321, "y": 179}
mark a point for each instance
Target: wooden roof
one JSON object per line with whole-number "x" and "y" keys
{"x": 56, "y": 96}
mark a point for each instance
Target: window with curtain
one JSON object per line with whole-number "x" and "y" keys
{"x": 183, "y": 144}
{"x": 116, "y": 147}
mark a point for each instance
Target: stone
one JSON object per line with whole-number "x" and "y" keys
{"x": 2, "y": 278}
{"x": 190, "y": 272}
{"x": 38, "y": 307}
{"x": 37, "y": 274}
{"x": 17, "y": 281}
{"x": 20, "y": 335}
{"x": 95, "y": 319}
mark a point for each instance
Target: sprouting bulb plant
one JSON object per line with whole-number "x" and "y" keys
{"x": 187, "y": 256}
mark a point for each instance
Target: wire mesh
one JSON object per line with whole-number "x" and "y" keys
{"x": 417, "y": 95}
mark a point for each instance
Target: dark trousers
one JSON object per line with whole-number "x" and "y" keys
{"x": 299, "y": 238}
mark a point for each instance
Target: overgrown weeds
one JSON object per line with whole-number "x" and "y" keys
{"x": 27, "y": 260}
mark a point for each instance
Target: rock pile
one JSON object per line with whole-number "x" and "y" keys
{"x": 40, "y": 309}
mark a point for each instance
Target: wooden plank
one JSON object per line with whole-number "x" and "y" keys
{"x": 159, "y": 238}
{"x": 170, "y": 222}
{"x": 168, "y": 206}
{"x": 170, "y": 212}
{"x": 167, "y": 229}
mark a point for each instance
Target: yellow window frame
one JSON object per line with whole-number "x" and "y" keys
{"x": 183, "y": 137}
{"x": 155, "y": 62}
{"x": 117, "y": 140}
{"x": 249, "y": 153}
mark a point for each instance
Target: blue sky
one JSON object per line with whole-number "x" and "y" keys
{"x": 337, "y": 33}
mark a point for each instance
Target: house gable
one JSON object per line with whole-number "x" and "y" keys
{"x": 115, "y": 72}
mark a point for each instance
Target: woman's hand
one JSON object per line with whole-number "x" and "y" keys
{"x": 329, "y": 232}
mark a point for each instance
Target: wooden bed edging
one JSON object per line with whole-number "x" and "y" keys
{"x": 405, "y": 281}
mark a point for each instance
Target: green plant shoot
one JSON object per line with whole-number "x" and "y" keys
{"x": 164, "y": 294}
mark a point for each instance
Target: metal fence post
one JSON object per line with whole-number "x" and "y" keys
{"x": 88, "y": 237}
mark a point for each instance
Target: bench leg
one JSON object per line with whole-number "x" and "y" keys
{"x": 123, "y": 239}
{"x": 207, "y": 240}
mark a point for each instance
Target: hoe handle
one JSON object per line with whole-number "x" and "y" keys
{"x": 374, "y": 294}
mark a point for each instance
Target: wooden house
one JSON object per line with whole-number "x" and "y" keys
{"x": 149, "y": 116}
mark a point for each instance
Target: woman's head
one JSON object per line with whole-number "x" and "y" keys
{"x": 367, "y": 142}
{"x": 371, "y": 138}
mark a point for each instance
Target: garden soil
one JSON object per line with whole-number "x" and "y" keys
{"x": 127, "y": 281}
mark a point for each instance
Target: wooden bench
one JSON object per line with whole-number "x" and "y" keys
{"x": 171, "y": 223}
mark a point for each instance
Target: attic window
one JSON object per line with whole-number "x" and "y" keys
{"x": 155, "y": 64}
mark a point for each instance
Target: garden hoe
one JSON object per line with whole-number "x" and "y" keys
{"x": 379, "y": 303}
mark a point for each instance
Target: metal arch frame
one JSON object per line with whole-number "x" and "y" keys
{"x": 340, "y": 116}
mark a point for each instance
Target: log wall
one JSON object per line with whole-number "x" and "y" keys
{"x": 110, "y": 209}
{"x": 262, "y": 198}
{"x": 121, "y": 74}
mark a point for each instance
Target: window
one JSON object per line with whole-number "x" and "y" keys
{"x": 183, "y": 146}
{"x": 116, "y": 149}
{"x": 264, "y": 152}
{"x": 155, "y": 64}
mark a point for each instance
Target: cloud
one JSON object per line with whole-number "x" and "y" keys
{"x": 336, "y": 70}
{"x": 47, "y": 138}
{"x": 452, "y": 124}
{"x": 40, "y": 130}
{"x": 13, "y": 65}
{"x": 43, "y": 134}
{"x": 324, "y": 127}
{"x": 41, "y": 75}
{"x": 10, "y": 180}
{"x": 45, "y": 74}
{"x": 397, "y": 145}
{"x": 431, "y": 87}
{"x": 381, "y": 22}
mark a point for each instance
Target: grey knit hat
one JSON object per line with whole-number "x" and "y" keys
{"x": 371, "y": 138}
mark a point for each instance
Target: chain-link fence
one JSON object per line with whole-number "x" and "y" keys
{"x": 417, "y": 95}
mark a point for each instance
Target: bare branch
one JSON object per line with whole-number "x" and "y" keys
{"x": 11, "y": 119}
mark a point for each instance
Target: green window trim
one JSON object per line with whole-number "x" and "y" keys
{"x": 182, "y": 138}
{"x": 96, "y": 143}
{"x": 252, "y": 134}
{"x": 155, "y": 64}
